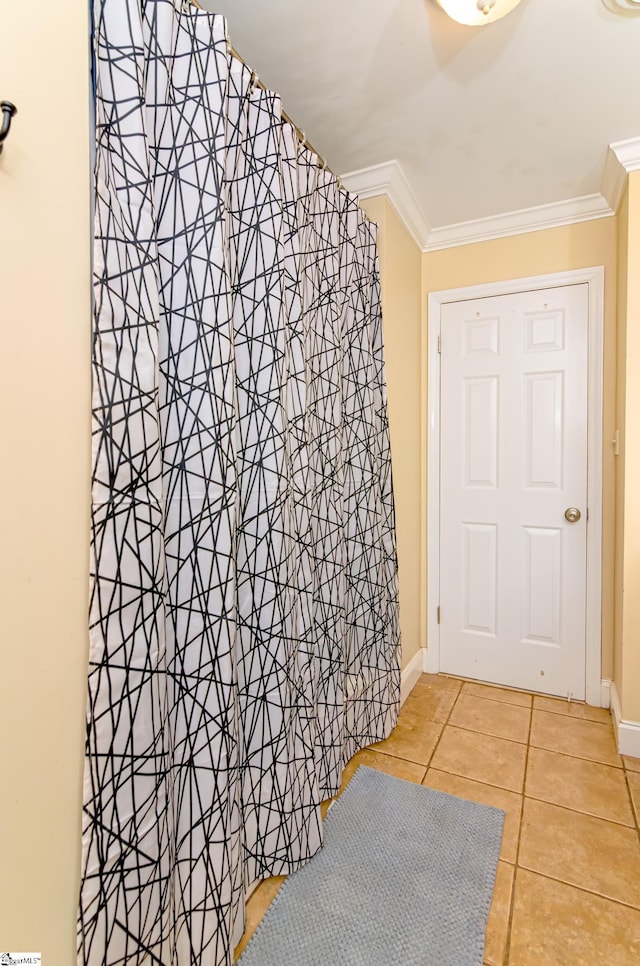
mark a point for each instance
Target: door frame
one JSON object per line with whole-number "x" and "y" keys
{"x": 596, "y": 692}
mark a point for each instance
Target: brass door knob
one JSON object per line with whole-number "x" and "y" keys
{"x": 572, "y": 514}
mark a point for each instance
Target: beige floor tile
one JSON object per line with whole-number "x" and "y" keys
{"x": 491, "y": 717}
{"x": 574, "y": 709}
{"x": 498, "y": 923}
{"x": 509, "y": 802}
{"x": 581, "y": 850}
{"x": 585, "y": 786}
{"x": 441, "y": 681}
{"x": 493, "y": 693}
{"x": 413, "y": 738}
{"x": 482, "y": 758}
{"x": 326, "y": 805}
{"x": 433, "y": 704}
{"x": 579, "y": 854}
{"x": 634, "y": 787}
{"x": 574, "y": 736}
{"x": 397, "y": 767}
{"x": 257, "y": 905}
{"x": 557, "y": 925}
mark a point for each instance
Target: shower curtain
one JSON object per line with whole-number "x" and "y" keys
{"x": 244, "y": 637}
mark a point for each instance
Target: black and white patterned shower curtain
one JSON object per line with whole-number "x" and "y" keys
{"x": 244, "y": 612}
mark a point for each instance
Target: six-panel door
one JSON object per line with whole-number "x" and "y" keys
{"x": 513, "y": 461}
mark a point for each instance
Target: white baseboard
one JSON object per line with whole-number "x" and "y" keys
{"x": 605, "y": 693}
{"x": 410, "y": 675}
{"x": 627, "y": 732}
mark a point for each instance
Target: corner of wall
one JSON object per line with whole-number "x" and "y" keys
{"x": 628, "y": 529}
{"x": 401, "y": 273}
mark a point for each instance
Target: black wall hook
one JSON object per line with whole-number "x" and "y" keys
{"x": 9, "y": 110}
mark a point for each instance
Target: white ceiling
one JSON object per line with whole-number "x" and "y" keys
{"x": 483, "y": 121}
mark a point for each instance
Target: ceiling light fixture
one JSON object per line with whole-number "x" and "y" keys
{"x": 477, "y": 13}
{"x": 623, "y": 6}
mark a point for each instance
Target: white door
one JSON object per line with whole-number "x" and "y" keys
{"x": 513, "y": 437}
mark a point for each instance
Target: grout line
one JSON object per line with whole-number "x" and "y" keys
{"x": 576, "y": 720}
{"x": 588, "y": 892}
{"x": 580, "y": 811}
{"x": 502, "y": 687}
{"x": 497, "y": 700}
{"x": 476, "y": 781}
{"x": 551, "y": 751}
{"x": 412, "y": 761}
{"x": 507, "y": 941}
{"x": 408, "y": 761}
{"x": 513, "y": 690}
{"x": 636, "y": 814}
{"x": 557, "y": 713}
{"x": 489, "y": 734}
{"x": 575, "y": 811}
{"x": 507, "y": 946}
{"x": 594, "y": 761}
{"x": 575, "y": 717}
{"x": 444, "y": 726}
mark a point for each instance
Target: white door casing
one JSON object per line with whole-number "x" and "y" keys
{"x": 518, "y": 586}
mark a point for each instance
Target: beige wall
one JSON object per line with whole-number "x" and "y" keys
{"x": 400, "y": 271}
{"x": 627, "y": 664}
{"x": 44, "y": 504}
{"x": 539, "y": 253}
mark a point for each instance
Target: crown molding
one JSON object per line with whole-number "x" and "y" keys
{"x": 389, "y": 179}
{"x": 519, "y": 222}
{"x": 622, "y": 158}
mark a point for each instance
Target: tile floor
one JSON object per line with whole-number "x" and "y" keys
{"x": 568, "y": 884}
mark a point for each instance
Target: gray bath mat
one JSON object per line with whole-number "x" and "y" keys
{"x": 405, "y": 878}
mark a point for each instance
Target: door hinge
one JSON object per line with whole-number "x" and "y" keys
{"x": 438, "y": 615}
{"x": 439, "y": 343}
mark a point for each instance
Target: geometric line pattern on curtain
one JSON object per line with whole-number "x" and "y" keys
{"x": 244, "y": 633}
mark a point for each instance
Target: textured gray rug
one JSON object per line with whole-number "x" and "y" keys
{"x": 405, "y": 877}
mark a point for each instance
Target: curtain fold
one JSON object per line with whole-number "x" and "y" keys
{"x": 244, "y": 635}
